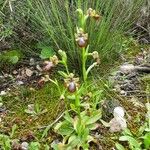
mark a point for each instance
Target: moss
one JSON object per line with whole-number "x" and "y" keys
{"x": 47, "y": 98}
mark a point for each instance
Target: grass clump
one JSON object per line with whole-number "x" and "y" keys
{"x": 56, "y": 20}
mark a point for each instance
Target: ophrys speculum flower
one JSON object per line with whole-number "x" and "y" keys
{"x": 81, "y": 38}
{"x": 71, "y": 83}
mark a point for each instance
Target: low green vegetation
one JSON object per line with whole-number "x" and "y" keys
{"x": 72, "y": 101}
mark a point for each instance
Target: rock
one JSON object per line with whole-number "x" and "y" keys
{"x": 24, "y": 146}
{"x": 118, "y": 111}
{"x": 15, "y": 72}
{"x": 122, "y": 92}
{"x": 127, "y": 68}
{"x": 118, "y": 123}
{"x": 108, "y": 107}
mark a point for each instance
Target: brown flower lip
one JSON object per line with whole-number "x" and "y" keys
{"x": 72, "y": 87}
{"x": 81, "y": 38}
{"x": 82, "y": 42}
{"x": 71, "y": 83}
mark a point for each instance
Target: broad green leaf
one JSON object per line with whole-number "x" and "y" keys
{"x": 85, "y": 134}
{"x": 46, "y": 52}
{"x": 90, "y": 138}
{"x": 132, "y": 142}
{"x": 127, "y": 132}
{"x": 95, "y": 117}
{"x": 63, "y": 74}
{"x": 147, "y": 140}
{"x": 68, "y": 117}
{"x": 119, "y": 146}
{"x": 73, "y": 141}
{"x": 34, "y": 146}
{"x": 93, "y": 126}
{"x": 64, "y": 128}
{"x": 14, "y": 59}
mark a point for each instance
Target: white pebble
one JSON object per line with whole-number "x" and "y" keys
{"x": 119, "y": 112}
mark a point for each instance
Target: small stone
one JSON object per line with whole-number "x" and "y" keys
{"x": 20, "y": 83}
{"x": 127, "y": 68}
{"x": 3, "y": 93}
{"x": 117, "y": 124}
{"x": 15, "y": 72}
{"x": 122, "y": 92}
{"x": 39, "y": 68}
{"x": 118, "y": 111}
{"x": 32, "y": 62}
{"x": 24, "y": 146}
{"x": 29, "y": 72}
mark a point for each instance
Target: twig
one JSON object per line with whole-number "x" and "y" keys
{"x": 143, "y": 69}
{"x": 50, "y": 125}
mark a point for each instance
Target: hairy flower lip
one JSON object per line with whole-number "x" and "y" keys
{"x": 81, "y": 38}
{"x": 71, "y": 83}
{"x": 82, "y": 42}
{"x": 72, "y": 87}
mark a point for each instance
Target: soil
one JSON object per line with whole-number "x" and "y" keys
{"x": 20, "y": 87}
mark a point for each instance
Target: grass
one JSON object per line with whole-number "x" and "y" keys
{"x": 56, "y": 21}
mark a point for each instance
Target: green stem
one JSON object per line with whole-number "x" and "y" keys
{"x": 67, "y": 70}
{"x": 84, "y": 64}
{"x": 77, "y": 103}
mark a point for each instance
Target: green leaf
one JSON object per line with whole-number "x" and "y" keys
{"x": 46, "y": 52}
{"x": 46, "y": 131}
{"x": 95, "y": 117}
{"x": 73, "y": 141}
{"x": 68, "y": 117}
{"x": 93, "y": 126}
{"x": 132, "y": 142}
{"x": 63, "y": 74}
{"x": 127, "y": 132}
{"x": 119, "y": 146}
{"x": 34, "y": 146}
{"x": 14, "y": 127}
{"x": 14, "y": 59}
{"x": 64, "y": 128}
{"x": 147, "y": 140}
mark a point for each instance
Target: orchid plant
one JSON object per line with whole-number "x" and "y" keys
{"x": 75, "y": 128}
